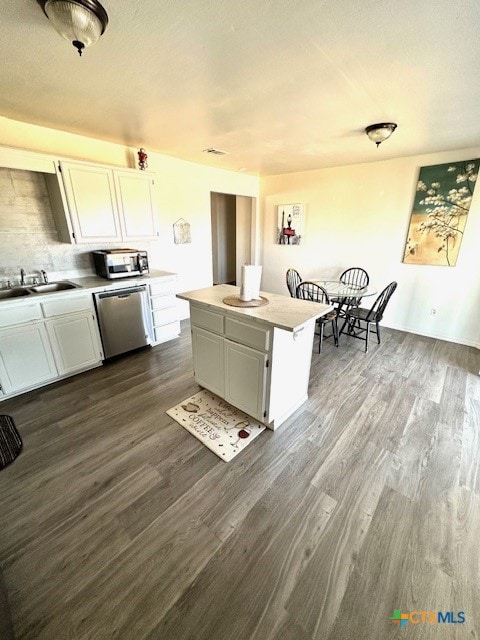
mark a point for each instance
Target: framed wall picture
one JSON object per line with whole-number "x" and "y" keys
{"x": 181, "y": 232}
{"x": 440, "y": 209}
{"x": 290, "y": 223}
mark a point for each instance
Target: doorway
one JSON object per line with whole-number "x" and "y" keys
{"x": 232, "y": 235}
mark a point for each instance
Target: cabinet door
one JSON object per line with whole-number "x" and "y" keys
{"x": 92, "y": 203}
{"x": 136, "y": 205}
{"x": 245, "y": 378}
{"x": 75, "y": 342}
{"x": 208, "y": 360}
{"x": 25, "y": 357}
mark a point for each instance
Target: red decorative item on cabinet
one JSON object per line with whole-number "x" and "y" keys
{"x": 142, "y": 159}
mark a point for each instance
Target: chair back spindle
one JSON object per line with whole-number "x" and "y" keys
{"x": 376, "y": 312}
{"x": 315, "y": 293}
{"x": 356, "y": 276}
{"x": 293, "y": 280}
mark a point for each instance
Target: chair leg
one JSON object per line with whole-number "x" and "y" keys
{"x": 320, "y": 339}
{"x": 335, "y": 331}
{"x": 367, "y": 336}
{"x": 378, "y": 332}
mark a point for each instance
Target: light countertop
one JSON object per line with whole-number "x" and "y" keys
{"x": 281, "y": 311}
{"x": 90, "y": 284}
{"x": 98, "y": 283}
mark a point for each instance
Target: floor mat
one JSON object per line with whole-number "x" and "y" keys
{"x": 222, "y": 428}
{"x": 10, "y": 441}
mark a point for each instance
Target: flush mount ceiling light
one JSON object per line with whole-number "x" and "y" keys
{"x": 82, "y": 22}
{"x": 378, "y": 133}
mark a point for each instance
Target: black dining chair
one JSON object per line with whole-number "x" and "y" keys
{"x": 293, "y": 280}
{"x": 359, "y": 320}
{"x": 357, "y": 277}
{"x": 314, "y": 292}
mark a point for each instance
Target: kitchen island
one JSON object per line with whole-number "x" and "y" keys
{"x": 258, "y": 358}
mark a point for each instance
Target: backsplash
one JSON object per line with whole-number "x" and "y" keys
{"x": 28, "y": 235}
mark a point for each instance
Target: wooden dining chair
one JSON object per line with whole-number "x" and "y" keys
{"x": 315, "y": 293}
{"x": 359, "y": 320}
{"x": 293, "y": 280}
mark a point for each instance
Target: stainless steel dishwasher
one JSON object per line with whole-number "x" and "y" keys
{"x": 125, "y": 319}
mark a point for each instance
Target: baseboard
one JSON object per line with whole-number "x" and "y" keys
{"x": 433, "y": 334}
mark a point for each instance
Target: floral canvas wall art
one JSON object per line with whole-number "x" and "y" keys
{"x": 442, "y": 201}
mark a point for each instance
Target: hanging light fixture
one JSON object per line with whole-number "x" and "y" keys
{"x": 378, "y": 133}
{"x": 82, "y": 22}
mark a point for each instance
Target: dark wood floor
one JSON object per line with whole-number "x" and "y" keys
{"x": 117, "y": 523}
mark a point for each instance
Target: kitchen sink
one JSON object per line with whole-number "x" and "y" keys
{"x": 5, "y": 294}
{"x": 53, "y": 286}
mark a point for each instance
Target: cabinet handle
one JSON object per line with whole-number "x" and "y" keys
{"x": 295, "y": 333}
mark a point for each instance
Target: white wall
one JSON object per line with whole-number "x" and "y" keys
{"x": 355, "y": 215}
{"x": 183, "y": 192}
{"x": 358, "y": 215}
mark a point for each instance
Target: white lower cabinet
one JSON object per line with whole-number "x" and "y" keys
{"x": 164, "y": 310}
{"x": 46, "y": 340}
{"x": 245, "y": 378}
{"x": 26, "y": 358}
{"x": 208, "y": 360}
{"x": 74, "y": 341}
{"x": 236, "y": 372}
{"x": 233, "y": 371}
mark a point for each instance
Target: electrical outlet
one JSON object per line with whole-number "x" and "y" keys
{"x": 433, "y": 311}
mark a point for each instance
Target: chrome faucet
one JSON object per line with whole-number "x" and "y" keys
{"x": 44, "y": 275}
{"x": 22, "y": 277}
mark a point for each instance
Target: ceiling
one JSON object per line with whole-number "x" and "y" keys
{"x": 281, "y": 85}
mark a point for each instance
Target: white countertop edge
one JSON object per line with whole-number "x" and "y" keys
{"x": 257, "y": 314}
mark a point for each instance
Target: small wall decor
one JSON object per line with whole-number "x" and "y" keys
{"x": 142, "y": 159}
{"x": 290, "y": 220}
{"x": 181, "y": 232}
{"x": 439, "y": 214}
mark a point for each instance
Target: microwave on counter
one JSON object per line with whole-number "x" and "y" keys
{"x": 120, "y": 263}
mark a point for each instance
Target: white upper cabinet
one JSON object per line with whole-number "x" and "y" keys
{"x": 94, "y": 203}
{"x": 136, "y": 205}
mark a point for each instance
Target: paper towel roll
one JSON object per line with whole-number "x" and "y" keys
{"x": 250, "y": 283}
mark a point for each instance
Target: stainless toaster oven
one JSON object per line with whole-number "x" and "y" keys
{"x": 120, "y": 263}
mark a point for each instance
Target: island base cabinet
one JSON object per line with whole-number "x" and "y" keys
{"x": 267, "y": 351}
{"x": 245, "y": 378}
{"x": 25, "y": 358}
{"x": 263, "y": 371}
{"x": 208, "y": 361}
{"x": 75, "y": 342}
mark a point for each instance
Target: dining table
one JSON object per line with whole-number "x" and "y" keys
{"x": 344, "y": 294}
